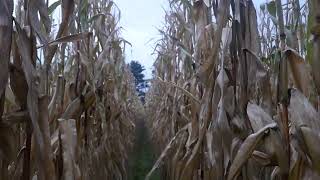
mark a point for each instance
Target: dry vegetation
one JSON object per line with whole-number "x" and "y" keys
{"x": 67, "y": 97}
{"x": 232, "y": 99}
{"x": 233, "y": 96}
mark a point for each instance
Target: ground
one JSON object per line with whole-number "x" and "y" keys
{"x": 142, "y": 157}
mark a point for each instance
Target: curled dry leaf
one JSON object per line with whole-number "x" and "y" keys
{"x": 302, "y": 112}
{"x": 299, "y": 70}
{"x": 258, "y": 117}
{"x": 166, "y": 151}
{"x": 246, "y": 149}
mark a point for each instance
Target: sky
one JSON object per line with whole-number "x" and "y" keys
{"x": 140, "y": 20}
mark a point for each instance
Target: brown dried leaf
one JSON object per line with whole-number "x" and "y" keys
{"x": 166, "y": 151}
{"x": 302, "y": 112}
{"x": 246, "y": 150}
{"x": 312, "y": 141}
{"x": 299, "y": 70}
{"x": 258, "y": 117}
{"x": 70, "y": 38}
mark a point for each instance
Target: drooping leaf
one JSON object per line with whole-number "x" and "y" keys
{"x": 70, "y": 38}
{"x": 312, "y": 139}
{"x": 53, "y": 7}
{"x": 299, "y": 70}
{"x": 246, "y": 150}
{"x": 166, "y": 151}
{"x": 302, "y": 112}
{"x": 258, "y": 117}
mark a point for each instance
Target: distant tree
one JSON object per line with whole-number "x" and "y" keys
{"x": 137, "y": 69}
{"x": 141, "y": 84}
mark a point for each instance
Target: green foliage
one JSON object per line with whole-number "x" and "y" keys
{"x": 137, "y": 69}
{"x": 142, "y": 156}
{"x": 140, "y": 83}
{"x": 53, "y": 7}
{"x": 271, "y": 7}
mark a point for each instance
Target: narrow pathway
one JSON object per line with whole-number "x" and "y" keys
{"x": 142, "y": 156}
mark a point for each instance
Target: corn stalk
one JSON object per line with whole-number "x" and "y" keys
{"x": 214, "y": 99}
{"x": 69, "y": 108}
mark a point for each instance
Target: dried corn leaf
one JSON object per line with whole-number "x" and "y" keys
{"x": 302, "y": 112}
{"x": 246, "y": 150}
{"x": 312, "y": 140}
{"x": 258, "y": 117}
{"x": 299, "y": 70}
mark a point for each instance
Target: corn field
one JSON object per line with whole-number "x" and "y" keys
{"x": 68, "y": 106}
{"x": 235, "y": 92}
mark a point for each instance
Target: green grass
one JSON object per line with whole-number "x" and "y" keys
{"x": 142, "y": 157}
